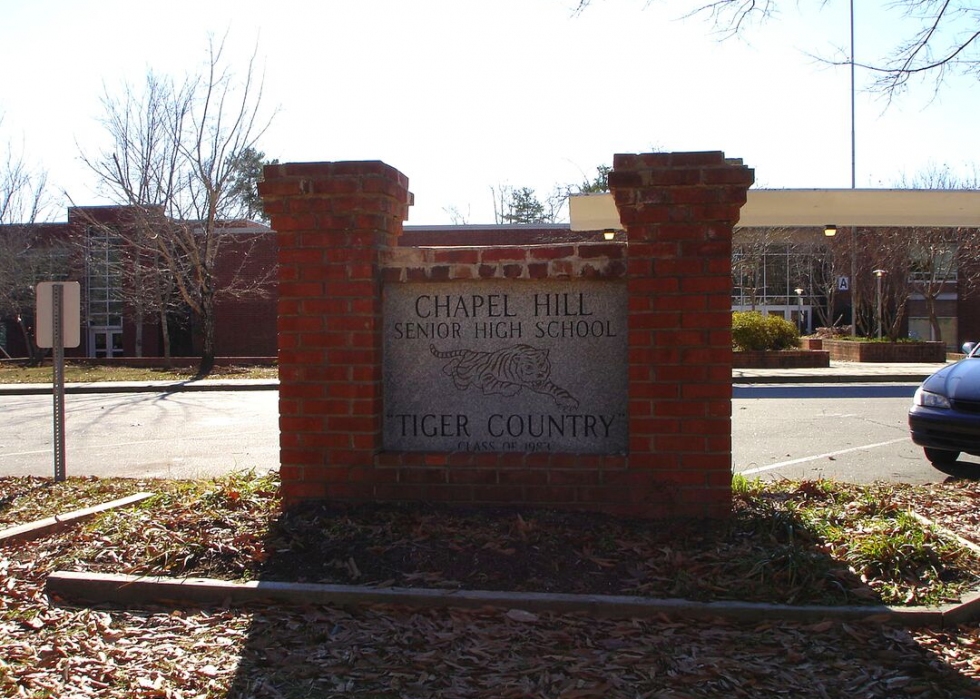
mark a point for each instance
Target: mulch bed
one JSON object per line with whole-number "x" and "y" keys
{"x": 29, "y": 498}
{"x": 232, "y": 527}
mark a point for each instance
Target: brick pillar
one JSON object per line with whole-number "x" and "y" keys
{"x": 333, "y": 221}
{"x": 678, "y": 210}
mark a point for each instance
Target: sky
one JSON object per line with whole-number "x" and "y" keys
{"x": 462, "y": 95}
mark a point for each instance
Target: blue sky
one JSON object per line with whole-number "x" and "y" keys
{"x": 463, "y": 95}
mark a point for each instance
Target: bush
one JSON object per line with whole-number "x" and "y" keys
{"x": 753, "y": 331}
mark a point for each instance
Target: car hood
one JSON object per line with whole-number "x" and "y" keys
{"x": 960, "y": 381}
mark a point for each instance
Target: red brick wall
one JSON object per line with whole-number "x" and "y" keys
{"x": 246, "y": 324}
{"x": 338, "y": 225}
{"x": 912, "y": 352}
{"x": 332, "y": 222}
{"x": 678, "y": 210}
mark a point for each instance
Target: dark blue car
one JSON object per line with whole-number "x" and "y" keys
{"x": 945, "y": 413}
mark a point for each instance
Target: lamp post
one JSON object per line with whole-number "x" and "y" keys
{"x": 852, "y": 287}
{"x": 879, "y": 273}
{"x": 853, "y": 137}
{"x": 799, "y": 305}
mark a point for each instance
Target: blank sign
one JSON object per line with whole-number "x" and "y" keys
{"x": 71, "y": 320}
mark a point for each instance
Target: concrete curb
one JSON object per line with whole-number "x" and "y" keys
{"x": 141, "y": 387}
{"x": 49, "y": 525}
{"x": 273, "y": 384}
{"x": 100, "y": 588}
{"x": 838, "y": 378}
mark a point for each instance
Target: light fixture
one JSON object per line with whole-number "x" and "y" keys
{"x": 800, "y": 320}
{"x": 609, "y": 234}
{"x": 830, "y": 230}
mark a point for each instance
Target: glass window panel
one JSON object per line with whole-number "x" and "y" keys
{"x": 921, "y": 329}
{"x": 949, "y": 329}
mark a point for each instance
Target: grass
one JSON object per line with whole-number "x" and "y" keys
{"x": 897, "y": 557}
{"x": 884, "y": 340}
{"x": 11, "y": 373}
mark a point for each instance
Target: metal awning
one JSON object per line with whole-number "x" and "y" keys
{"x": 818, "y": 207}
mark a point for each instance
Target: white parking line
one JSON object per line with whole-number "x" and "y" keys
{"x": 803, "y": 460}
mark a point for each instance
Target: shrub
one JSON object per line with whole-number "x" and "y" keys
{"x": 753, "y": 331}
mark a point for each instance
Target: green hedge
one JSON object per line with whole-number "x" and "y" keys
{"x": 753, "y": 331}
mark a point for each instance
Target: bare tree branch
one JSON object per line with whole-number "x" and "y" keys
{"x": 947, "y": 39}
{"x": 175, "y": 152}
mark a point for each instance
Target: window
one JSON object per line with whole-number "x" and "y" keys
{"x": 935, "y": 261}
{"x": 104, "y": 304}
{"x": 921, "y": 329}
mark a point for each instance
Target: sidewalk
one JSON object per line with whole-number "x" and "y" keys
{"x": 837, "y": 372}
{"x": 34, "y": 389}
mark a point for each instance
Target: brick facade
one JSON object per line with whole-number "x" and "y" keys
{"x": 338, "y": 227}
{"x": 246, "y": 323}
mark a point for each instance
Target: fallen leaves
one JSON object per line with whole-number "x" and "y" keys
{"x": 54, "y": 650}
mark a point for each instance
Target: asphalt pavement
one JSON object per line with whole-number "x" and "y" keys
{"x": 828, "y": 427}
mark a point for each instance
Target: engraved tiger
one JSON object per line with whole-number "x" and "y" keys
{"x": 505, "y": 371}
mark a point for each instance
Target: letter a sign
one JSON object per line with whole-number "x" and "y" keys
{"x": 843, "y": 284}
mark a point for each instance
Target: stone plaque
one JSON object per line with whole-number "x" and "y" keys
{"x": 506, "y": 366}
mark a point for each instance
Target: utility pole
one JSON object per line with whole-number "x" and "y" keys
{"x": 853, "y": 232}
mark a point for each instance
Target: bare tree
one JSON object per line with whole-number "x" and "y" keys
{"x": 934, "y": 266}
{"x": 885, "y": 254}
{"x": 750, "y": 247}
{"x": 25, "y": 260}
{"x": 143, "y": 169}
{"x": 945, "y": 38}
{"x": 936, "y": 254}
{"x": 457, "y": 217}
{"x": 24, "y": 202}
{"x": 522, "y": 204}
{"x": 176, "y": 155}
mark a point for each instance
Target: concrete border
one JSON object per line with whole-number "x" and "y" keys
{"x": 829, "y": 379}
{"x": 49, "y": 525}
{"x": 965, "y": 543}
{"x": 100, "y": 588}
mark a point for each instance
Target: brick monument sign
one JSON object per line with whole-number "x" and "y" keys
{"x": 586, "y": 374}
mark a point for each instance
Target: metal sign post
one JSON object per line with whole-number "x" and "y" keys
{"x": 58, "y": 326}
{"x": 58, "y": 298}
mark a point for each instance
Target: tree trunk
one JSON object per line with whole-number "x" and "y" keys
{"x": 35, "y": 355}
{"x": 139, "y": 333}
{"x": 207, "y": 347}
{"x": 937, "y": 333}
{"x": 165, "y": 337}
